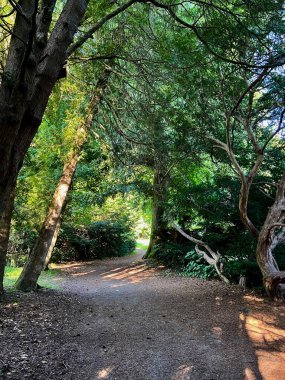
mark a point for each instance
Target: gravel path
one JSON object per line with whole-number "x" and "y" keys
{"x": 117, "y": 319}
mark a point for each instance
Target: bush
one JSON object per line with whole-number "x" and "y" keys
{"x": 20, "y": 245}
{"x": 197, "y": 267}
{"x": 238, "y": 266}
{"x": 98, "y": 240}
{"x": 111, "y": 239}
{"x": 183, "y": 258}
{"x": 172, "y": 254}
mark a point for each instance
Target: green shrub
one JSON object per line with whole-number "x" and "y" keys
{"x": 111, "y": 239}
{"x": 98, "y": 240}
{"x": 198, "y": 267}
{"x": 184, "y": 259}
{"x": 238, "y": 266}
{"x": 20, "y": 245}
{"x": 172, "y": 254}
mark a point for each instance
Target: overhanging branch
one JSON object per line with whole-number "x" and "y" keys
{"x": 212, "y": 258}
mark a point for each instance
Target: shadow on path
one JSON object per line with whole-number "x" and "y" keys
{"x": 118, "y": 319}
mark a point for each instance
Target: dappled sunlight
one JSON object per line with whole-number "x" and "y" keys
{"x": 253, "y": 298}
{"x": 104, "y": 373}
{"x": 70, "y": 265}
{"x": 249, "y": 374}
{"x": 182, "y": 373}
{"x": 124, "y": 271}
{"x": 83, "y": 273}
{"x": 269, "y": 343}
{"x": 218, "y": 300}
{"x": 130, "y": 275}
{"x": 217, "y": 331}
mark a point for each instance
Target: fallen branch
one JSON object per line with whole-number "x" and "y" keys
{"x": 211, "y": 257}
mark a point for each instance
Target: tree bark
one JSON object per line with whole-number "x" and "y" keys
{"x": 42, "y": 251}
{"x": 211, "y": 257}
{"x": 268, "y": 239}
{"x": 6, "y": 208}
{"x": 31, "y": 70}
{"x": 36, "y": 261}
{"x": 158, "y": 225}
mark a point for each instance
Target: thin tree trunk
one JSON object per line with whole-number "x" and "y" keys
{"x": 158, "y": 226}
{"x": 46, "y": 240}
{"x": 36, "y": 261}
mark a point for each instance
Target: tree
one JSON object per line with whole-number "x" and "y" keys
{"x": 37, "y": 55}
{"x": 35, "y": 62}
{"x": 42, "y": 250}
{"x": 272, "y": 231}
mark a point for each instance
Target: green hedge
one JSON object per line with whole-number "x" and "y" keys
{"x": 96, "y": 241}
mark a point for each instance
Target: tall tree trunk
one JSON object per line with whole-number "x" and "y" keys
{"x": 6, "y": 208}
{"x": 53, "y": 240}
{"x": 158, "y": 225}
{"x": 46, "y": 240}
{"x": 271, "y": 234}
{"x": 35, "y": 60}
{"x": 36, "y": 261}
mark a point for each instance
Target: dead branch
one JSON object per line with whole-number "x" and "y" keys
{"x": 212, "y": 258}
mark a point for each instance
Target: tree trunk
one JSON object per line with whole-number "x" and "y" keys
{"x": 35, "y": 58}
{"x": 42, "y": 251}
{"x": 53, "y": 241}
{"x": 6, "y": 207}
{"x": 268, "y": 239}
{"x": 36, "y": 261}
{"x": 158, "y": 225}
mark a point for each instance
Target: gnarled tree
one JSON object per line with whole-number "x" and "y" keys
{"x": 273, "y": 230}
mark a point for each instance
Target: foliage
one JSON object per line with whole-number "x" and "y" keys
{"x": 184, "y": 259}
{"x": 236, "y": 267}
{"x": 196, "y": 267}
{"x": 98, "y": 240}
{"x": 172, "y": 254}
{"x": 169, "y": 90}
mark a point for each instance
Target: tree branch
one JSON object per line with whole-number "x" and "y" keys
{"x": 213, "y": 259}
{"x": 97, "y": 26}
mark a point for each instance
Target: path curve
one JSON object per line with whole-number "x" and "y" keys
{"x": 117, "y": 319}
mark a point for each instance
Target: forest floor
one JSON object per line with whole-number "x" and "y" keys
{"x": 119, "y": 319}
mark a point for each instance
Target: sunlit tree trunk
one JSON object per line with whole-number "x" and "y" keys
{"x": 158, "y": 224}
{"x": 46, "y": 240}
{"x": 53, "y": 240}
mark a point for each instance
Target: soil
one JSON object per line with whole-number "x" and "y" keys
{"x": 119, "y": 319}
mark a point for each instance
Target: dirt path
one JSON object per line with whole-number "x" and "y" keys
{"x": 116, "y": 319}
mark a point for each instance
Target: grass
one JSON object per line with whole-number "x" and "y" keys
{"x": 141, "y": 245}
{"x": 45, "y": 280}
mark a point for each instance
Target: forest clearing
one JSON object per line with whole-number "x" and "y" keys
{"x": 142, "y": 189}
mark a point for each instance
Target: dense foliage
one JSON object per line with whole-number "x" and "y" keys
{"x": 98, "y": 240}
{"x": 185, "y": 81}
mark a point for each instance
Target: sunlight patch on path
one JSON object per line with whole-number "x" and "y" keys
{"x": 131, "y": 275}
{"x": 269, "y": 343}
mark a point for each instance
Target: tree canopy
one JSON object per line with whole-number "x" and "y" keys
{"x": 146, "y": 118}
